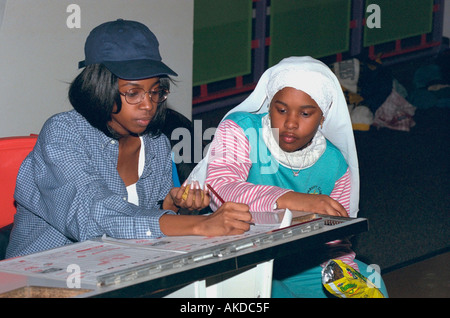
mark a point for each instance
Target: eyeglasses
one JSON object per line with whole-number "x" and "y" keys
{"x": 136, "y": 95}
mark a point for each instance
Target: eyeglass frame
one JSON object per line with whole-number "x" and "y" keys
{"x": 143, "y": 93}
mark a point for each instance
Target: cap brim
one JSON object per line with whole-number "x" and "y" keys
{"x": 138, "y": 69}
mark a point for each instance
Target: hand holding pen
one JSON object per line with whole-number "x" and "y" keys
{"x": 229, "y": 219}
{"x": 222, "y": 201}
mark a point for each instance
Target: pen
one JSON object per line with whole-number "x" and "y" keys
{"x": 215, "y": 193}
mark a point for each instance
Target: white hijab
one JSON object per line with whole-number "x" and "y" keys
{"x": 317, "y": 80}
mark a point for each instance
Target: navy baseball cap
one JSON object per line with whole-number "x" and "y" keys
{"x": 127, "y": 48}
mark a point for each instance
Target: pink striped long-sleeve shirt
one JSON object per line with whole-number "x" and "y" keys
{"x": 230, "y": 164}
{"x": 228, "y": 169}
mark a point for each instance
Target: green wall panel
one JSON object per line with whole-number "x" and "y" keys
{"x": 222, "y": 40}
{"x": 308, "y": 27}
{"x": 399, "y": 19}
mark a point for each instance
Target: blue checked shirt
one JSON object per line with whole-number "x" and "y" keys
{"x": 68, "y": 188}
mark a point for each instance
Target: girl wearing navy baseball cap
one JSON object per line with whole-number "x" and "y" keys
{"x": 105, "y": 168}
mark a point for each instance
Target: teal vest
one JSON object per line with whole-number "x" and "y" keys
{"x": 319, "y": 178}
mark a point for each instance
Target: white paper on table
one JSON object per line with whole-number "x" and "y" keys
{"x": 287, "y": 219}
{"x": 281, "y": 218}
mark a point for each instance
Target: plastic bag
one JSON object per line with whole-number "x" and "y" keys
{"x": 395, "y": 113}
{"x": 343, "y": 281}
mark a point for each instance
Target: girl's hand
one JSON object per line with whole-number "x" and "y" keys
{"x": 229, "y": 219}
{"x": 317, "y": 203}
{"x": 190, "y": 197}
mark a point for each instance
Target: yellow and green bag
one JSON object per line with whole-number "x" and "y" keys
{"x": 343, "y": 281}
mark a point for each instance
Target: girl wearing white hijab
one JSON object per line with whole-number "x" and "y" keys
{"x": 289, "y": 145}
{"x": 318, "y": 81}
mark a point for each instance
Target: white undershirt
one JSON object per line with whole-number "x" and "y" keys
{"x": 131, "y": 189}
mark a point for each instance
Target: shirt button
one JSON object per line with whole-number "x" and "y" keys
{"x": 124, "y": 198}
{"x": 113, "y": 142}
{"x": 148, "y": 233}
